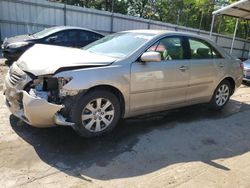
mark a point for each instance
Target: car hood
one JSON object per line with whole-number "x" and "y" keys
{"x": 247, "y": 64}
{"x": 47, "y": 59}
{"x": 19, "y": 38}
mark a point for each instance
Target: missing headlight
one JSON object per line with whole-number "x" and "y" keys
{"x": 51, "y": 84}
{"x": 48, "y": 88}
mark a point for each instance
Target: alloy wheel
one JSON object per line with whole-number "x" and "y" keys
{"x": 222, "y": 95}
{"x": 98, "y": 114}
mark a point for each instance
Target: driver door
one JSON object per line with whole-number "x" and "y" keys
{"x": 66, "y": 38}
{"x": 164, "y": 83}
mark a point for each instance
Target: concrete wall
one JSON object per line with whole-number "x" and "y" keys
{"x": 27, "y": 16}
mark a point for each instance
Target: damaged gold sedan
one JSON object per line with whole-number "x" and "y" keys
{"x": 31, "y": 105}
{"x": 119, "y": 76}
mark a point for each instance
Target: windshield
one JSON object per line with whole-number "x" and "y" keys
{"x": 43, "y": 33}
{"x": 119, "y": 44}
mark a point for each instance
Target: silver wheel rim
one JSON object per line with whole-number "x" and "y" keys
{"x": 98, "y": 114}
{"x": 222, "y": 95}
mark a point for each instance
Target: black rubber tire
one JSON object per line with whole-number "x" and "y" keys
{"x": 213, "y": 104}
{"x": 8, "y": 63}
{"x": 83, "y": 101}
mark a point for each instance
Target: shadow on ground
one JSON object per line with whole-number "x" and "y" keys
{"x": 144, "y": 144}
{"x": 246, "y": 83}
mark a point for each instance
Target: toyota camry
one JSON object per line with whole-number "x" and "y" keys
{"x": 119, "y": 76}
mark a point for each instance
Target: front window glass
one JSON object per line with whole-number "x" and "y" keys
{"x": 170, "y": 48}
{"x": 58, "y": 37}
{"x": 119, "y": 45}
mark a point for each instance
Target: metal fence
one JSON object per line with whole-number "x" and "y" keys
{"x": 27, "y": 16}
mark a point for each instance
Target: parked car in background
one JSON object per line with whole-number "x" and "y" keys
{"x": 67, "y": 36}
{"x": 246, "y": 77}
{"x": 121, "y": 75}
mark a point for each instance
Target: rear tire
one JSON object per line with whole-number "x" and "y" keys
{"x": 96, "y": 113}
{"x": 221, "y": 95}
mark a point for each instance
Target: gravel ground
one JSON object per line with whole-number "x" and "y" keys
{"x": 189, "y": 147}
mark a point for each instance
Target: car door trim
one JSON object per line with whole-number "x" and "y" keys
{"x": 202, "y": 83}
{"x": 158, "y": 89}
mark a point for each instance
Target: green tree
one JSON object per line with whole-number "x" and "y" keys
{"x": 190, "y": 13}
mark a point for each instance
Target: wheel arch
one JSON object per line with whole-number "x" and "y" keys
{"x": 115, "y": 91}
{"x": 232, "y": 83}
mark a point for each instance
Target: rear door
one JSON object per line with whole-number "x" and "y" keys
{"x": 206, "y": 67}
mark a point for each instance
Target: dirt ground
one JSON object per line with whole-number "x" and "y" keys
{"x": 189, "y": 147}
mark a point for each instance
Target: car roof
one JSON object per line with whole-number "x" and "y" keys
{"x": 62, "y": 28}
{"x": 165, "y": 32}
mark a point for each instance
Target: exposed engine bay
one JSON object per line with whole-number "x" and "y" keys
{"x": 51, "y": 90}
{"x": 41, "y": 101}
{"x": 47, "y": 88}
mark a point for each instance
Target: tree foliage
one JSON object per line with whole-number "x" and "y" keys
{"x": 190, "y": 13}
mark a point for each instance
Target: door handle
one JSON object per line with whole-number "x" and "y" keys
{"x": 183, "y": 68}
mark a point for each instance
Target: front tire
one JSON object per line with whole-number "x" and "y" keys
{"x": 221, "y": 95}
{"x": 96, "y": 113}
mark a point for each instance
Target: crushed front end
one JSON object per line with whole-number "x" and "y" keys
{"x": 36, "y": 99}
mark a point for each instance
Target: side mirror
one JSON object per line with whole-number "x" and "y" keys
{"x": 151, "y": 57}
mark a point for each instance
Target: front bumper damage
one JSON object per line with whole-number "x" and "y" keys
{"x": 32, "y": 109}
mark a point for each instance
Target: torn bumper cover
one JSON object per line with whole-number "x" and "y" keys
{"x": 34, "y": 110}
